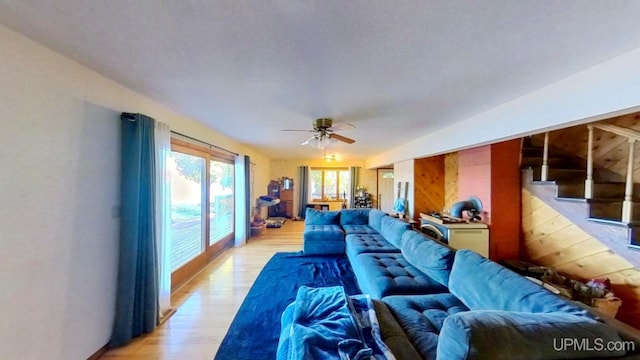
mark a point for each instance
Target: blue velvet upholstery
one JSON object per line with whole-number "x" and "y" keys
{"x": 367, "y": 243}
{"x": 323, "y": 239}
{"x": 358, "y": 229}
{"x": 421, "y": 318}
{"x": 489, "y": 334}
{"x": 354, "y": 217}
{"x": 385, "y": 274}
{"x": 393, "y": 335}
{"x": 317, "y": 217}
{"x": 375, "y": 219}
{"x": 473, "y": 277}
{"x": 428, "y": 256}
{"x": 392, "y": 229}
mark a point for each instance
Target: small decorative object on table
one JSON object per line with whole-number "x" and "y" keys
{"x": 596, "y": 293}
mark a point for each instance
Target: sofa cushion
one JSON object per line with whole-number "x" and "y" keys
{"x": 358, "y": 229}
{"x": 367, "y": 243}
{"x": 318, "y": 217}
{"x": 391, "y": 274}
{"x": 427, "y": 255}
{"x": 354, "y": 217}
{"x": 392, "y": 229}
{"x": 421, "y": 318}
{"x": 501, "y": 334}
{"x": 485, "y": 285}
{"x": 393, "y": 335}
{"x": 323, "y": 239}
{"x": 375, "y": 219}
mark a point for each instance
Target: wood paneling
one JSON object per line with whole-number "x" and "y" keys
{"x": 505, "y": 228}
{"x": 450, "y": 179}
{"x": 610, "y": 151}
{"x": 428, "y": 191}
{"x": 552, "y": 240}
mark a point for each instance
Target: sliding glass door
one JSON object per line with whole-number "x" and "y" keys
{"x": 221, "y": 200}
{"x": 202, "y": 207}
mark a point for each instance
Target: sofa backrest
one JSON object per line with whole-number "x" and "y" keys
{"x": 428, "y": 256}
{"x": 354, "y": 216}
{"x": 491, "y": 334}
{"x": 318, "y": 217}
{"x": 392, "y": 229}
{"x": 482, "y": 284}
{"x": 375, "y": 219}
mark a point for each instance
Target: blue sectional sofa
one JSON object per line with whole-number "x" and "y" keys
{"x": 433, "y": 302}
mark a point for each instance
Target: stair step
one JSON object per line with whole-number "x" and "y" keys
{"x": 600, "y": 190}
{"x": 532, "y": 151}
{"x": 568, "y": 175}
{"x": 608, "y": 222}
{"x": 634, "y": 237}
{"x": 611, "y": 210}
{"x": 556, "y": 162}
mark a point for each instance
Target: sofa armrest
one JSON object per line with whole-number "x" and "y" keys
{"x": 492, "y": 334}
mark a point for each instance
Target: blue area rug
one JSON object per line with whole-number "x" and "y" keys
{"x": 255, "y": 330}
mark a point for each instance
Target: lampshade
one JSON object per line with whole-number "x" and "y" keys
{"x": 321, "y": 142}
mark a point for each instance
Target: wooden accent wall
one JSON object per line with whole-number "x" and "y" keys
{"x": 505, "y": 200}
{"x": 450, "y": 179}
{"x": 550, "y": 239}
{"x": 429, "y": 185}
{"x": 610, "y": 151}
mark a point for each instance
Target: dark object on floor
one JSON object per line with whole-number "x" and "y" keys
{"x": 255, "y": 330}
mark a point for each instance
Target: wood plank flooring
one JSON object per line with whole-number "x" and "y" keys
{"x": 207, "y": 304}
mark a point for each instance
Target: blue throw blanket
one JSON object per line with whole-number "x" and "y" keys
{"x": 325, "y": 323}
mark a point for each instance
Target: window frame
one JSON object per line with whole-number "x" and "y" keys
{"x": 323, "y": 171}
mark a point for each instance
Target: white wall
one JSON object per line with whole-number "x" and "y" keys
{"x": 603, "y": 91}
{"x": 403, "y": 171}
{"x": 59, "y": 191}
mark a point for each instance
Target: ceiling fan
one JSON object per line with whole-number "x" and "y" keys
{"x": 325, "y": 135}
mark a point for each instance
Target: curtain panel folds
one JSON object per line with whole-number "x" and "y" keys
{"x": 304, "y": 191}
{"x": 137, "y": 289}
{"x": 162, "y": 138}
{"x": 353, "y": 175}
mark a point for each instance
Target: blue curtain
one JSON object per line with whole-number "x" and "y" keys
{"x": 247, "y": 191}
{"x": 304, "y": 191}
{"x": 353, "y": 174}
{"x": 137, "y": 297}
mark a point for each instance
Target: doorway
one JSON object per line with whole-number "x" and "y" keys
{"x": 385, "y": 190}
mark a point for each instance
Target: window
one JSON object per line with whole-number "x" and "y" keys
{"x": 329, "y": 184}
{"x": 202, "y": 207}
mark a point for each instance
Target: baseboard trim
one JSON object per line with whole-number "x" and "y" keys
{"x": 99, "y": 353}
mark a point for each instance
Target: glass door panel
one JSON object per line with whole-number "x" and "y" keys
{"x": 221, "y": 200}
{"x": 187, "y": 172}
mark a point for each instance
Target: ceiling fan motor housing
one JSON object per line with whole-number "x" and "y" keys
{"x": 322, "y": 124}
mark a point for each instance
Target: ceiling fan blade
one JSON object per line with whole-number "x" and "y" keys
{"x": 340, "y": 127}
{"x": 297, "y": 130}
{"x": 342, "y": 138}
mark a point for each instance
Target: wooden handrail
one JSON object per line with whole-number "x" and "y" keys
{"x": 619, "y": 130}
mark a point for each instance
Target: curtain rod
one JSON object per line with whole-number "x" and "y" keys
{"x": 204, "y": 142}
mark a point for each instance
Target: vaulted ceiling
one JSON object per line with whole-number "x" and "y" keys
{"x": 397, "y": 70}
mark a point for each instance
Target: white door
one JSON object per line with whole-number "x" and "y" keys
{"x": 386, "y": 195}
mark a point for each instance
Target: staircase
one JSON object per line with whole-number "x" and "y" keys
{"x": 565, "y": 186}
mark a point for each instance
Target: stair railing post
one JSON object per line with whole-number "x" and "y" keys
{"x": 588, "y": 183}
{"x": 627, "y": 204}
{"x": 544, "y": 171}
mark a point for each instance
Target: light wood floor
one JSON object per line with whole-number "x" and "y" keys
{"x": 207, "y": 304}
